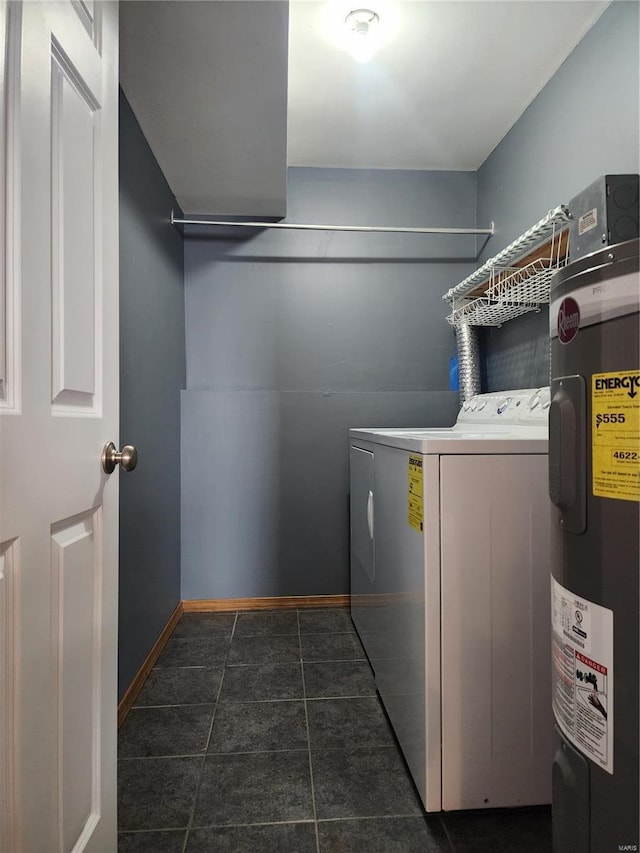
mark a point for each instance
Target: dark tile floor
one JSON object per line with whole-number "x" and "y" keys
{"x": 262, "y": 733}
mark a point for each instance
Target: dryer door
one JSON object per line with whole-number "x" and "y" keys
{"x": 362, "y": 534}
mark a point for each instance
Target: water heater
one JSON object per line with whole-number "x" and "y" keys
{"x": 594, "y": 481}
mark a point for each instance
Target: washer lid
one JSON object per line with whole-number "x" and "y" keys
{"x": 507, "y": 419}
{"x": 454, "y": 441}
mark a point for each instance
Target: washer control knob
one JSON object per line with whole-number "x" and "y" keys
{"x": 504, "y": 405}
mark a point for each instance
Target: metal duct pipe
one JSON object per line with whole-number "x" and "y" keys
{"x": 468, "y": 361}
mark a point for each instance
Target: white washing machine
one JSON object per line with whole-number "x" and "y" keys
{"x": 450, "y": 564}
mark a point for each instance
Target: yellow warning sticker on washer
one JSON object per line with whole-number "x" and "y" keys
{"x": 615, "y": 409}
{"x": 416, "y": 494}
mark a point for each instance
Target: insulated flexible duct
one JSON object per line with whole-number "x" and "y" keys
{"x": 468, "y": 361}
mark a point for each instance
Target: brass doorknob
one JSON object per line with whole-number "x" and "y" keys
{"x": 127, "y": 458}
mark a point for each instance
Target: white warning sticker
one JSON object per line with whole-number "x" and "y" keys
{"x": 588, "y": 221}
{"x": 583, "y": 673}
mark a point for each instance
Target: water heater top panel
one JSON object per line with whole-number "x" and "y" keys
{"x": 603, "y": 214}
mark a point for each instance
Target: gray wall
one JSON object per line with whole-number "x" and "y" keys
{"x": 152, "y": 373}
{"x": 292, "y": 338}
{"x": 584, "y": 123}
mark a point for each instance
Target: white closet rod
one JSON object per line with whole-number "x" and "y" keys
{"x": 307, "y": 227}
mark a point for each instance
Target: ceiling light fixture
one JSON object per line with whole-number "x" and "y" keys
{"x": 362, "y": 25}
{"x": 362, "y": 21}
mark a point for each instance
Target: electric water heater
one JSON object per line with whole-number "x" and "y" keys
{"x": 594, "y": 481}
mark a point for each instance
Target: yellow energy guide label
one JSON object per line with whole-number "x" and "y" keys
{"x": 615, "y": 445}
{"x": 416, "y": 494}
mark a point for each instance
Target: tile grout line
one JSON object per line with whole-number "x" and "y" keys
{"x": 285, "y": 662}
{"x": 408, "y": 816}
{"x": 174, "y": 705}
{"x": 164, "y": 756}
{"x": 445, "y": 831}
{"x": 158, "y": 829}
{"x": 306, "y": 716}
{"x": 206, "y": 749}
{"x": 254, "y": 701}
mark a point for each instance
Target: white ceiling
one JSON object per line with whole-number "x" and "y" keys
{"x": 208, "y": 84}
{"x": 451, "y": 80}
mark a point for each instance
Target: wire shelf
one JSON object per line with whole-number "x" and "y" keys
{"x": 512, "y": 290}
{"x": 530, "y": 284}
{"x": 551, "y": 225}
{"x": 489, "y": 312}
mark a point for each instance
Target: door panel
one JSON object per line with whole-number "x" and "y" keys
{"x": 3, "y": 175}
{"x": 74, "y": 128}
{"x": 76, "y": 571}
{"x": 55, "y": 501}
{"x": 10, "y": 17}
{"x": 85, "y": 9}
{"x": 8, "y": 583}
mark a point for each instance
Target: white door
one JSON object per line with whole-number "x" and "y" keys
{"x": 58, "y": 407}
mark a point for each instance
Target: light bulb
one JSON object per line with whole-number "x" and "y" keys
{"x": 362, "y": 25}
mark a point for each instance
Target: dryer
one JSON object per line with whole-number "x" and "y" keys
{"x": 450, "y": 560}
